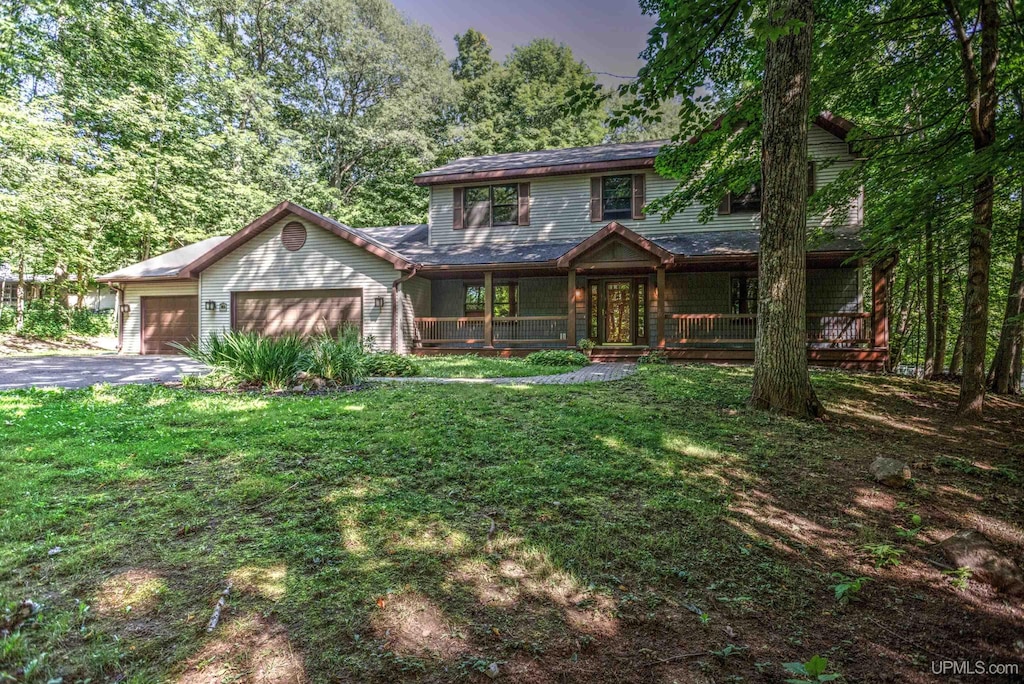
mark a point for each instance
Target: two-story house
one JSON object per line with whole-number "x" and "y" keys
{"x": 521, "y": 251}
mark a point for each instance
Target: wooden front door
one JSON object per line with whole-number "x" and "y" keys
{"x": 618, "y": 312}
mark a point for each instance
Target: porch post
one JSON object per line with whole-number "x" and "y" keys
{"x": 570, "y": 324}
{"x": 661, "y": 306}
{"x": 488, "y": 309}
{"x": 879, "y": 307}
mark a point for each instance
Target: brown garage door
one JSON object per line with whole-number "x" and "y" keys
{"x": 168, "y": 319}
{"x": 303, "y": 312}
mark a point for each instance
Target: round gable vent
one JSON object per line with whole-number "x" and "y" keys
{"x": 293, "y": 236}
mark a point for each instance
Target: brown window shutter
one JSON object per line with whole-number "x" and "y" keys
{"x": 810, "y": 178}
{"x": 725, "y": 206}
{"x": 524, "y": 204}
{"x": 596, "y": 211}
{"x": 457, "y": 222}
{"x": 638, "y": 196}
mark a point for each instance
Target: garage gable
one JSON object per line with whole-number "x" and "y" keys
{"x": 296, "y": 276}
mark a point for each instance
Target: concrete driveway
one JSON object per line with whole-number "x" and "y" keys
{"x": 20, "y": 372}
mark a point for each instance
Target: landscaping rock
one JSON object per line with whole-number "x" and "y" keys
{"x": 891, "y": 472}
{"x": 971, "y": 549}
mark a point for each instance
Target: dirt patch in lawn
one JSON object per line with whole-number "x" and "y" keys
{"x": 16, "y": 345}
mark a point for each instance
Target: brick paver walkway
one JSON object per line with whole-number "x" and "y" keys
{"x": 595, "y": 372}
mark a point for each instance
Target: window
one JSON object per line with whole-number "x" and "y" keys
{"x": 744, "y": 295}
{"x": 617, "y": 197}
{"x": 491, "y": 205}
{"x": 641, "y": 310}
{"x": 505, "y": 303}
{"x": 592, "y": 318}
{"x": 750, "y": 201}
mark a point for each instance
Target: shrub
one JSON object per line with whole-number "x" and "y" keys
{"x": 558, "y": 357}
{"x": 586, "y": 344}
{"x": 252, "y": 358}
{"x": 388, "y": 365}
{"x": 48, "y": 320}
{"x": 7, "y": 319}
{"x": 340, "y": 361}
{"x": 92, "y": 324}
{"x": 654, "y": 358}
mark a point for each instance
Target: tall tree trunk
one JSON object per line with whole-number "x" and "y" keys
{"x": 982, "y": 97}
{"x": 929, "y": 301}
{"x": 942, "y": 311}
{"x": 1005, "y": 376}
{"x": 956, "y": 363}
{"x": 19, "y": 305}
{"x": 901, "y": 331}
{"x": 781, "y": 380}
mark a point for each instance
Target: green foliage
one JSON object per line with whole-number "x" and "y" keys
{"x": 959, "y": 578}
{"x": 656, "y": 357}
{"x": 558, "y": 358}
{"x": 848, "y": 588}
{"x": 253, "y": 359}
{"x": 92, "y": 323}
{"x": 47, "y": 320}
{"x": 814, "y": 670}
{"x": 8, "y": 319}
{"x": 388, "y": 365}
{"x": 883, "y": 554}
{"x": 337, "y": 360}
{"x": 586, "y": 344}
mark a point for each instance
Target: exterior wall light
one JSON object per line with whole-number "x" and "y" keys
{"x": 126, "y": 308}
{"x": 210, "y": 305}
{"x": 378, "y": 302}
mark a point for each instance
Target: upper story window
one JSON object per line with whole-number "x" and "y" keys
{"x": 750, "y": 201}
{"x": 617, "y": 196}
{"x": 491, "y": 205}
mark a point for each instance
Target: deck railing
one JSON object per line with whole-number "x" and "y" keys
{"x": 505, "y": 330}
{"x": 833, "y": 329}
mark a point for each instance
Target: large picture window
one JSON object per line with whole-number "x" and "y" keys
{"x": 505, "y": 303}
{"x": 617, "y": 197}
{"x": 491, "y": 205}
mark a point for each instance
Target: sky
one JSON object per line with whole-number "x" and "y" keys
{"x": 606, "y": 34}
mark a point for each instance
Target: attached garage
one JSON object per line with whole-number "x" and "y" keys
{"x": 166, "y": 320}
{"x": 300, "y": 312}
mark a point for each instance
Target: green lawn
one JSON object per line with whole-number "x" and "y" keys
{"x": 651, "y": 529}
{"x": 472, "y": 366}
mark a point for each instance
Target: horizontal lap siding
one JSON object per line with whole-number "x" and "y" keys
{"x": 325, "y": 261}
{"x": 132, "y": 339}
{"x": 560, "y": 206}
{"x": 415, "y": 303}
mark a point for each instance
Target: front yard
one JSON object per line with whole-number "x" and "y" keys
{"x": 651, "y": 529}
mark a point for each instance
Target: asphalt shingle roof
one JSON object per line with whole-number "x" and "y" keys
{"x": 569, "y": 155}
{"x": 168, "y": 264}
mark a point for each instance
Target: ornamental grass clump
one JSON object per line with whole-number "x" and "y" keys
{"x": 249, "y": 358}
{"x": 338, "y": 361}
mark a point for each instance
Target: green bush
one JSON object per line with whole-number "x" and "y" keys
{"x": 7, "y": 319}
{"x": 586, "y": 344}
{"x": 253, "y": 359}
{"x": 388, "y": 365}
{"x": 558, "y": 357}
{"x": 340, "y": 361}
{"x": 92, "y": 324}
{"x": 48, "y": 320}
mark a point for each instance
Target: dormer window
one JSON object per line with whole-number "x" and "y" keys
{"x": 491, "y": 205}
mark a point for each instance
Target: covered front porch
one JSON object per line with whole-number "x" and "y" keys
{"x": 628, "y": 300}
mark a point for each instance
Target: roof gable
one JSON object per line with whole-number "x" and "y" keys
{"x": 276, "y": 214}
{"x": 616, "y": 234}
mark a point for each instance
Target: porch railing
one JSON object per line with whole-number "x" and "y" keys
{"x": 834, "y": 329}
{"x": 530, "y": 328}
{"x": 505, "y": 330}
{"x": 455, "y": 330}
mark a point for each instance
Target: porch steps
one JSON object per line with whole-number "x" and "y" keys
{"x": 617, "y": 353}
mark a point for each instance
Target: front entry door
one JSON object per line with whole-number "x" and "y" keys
{"x": 618, "y": 320}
